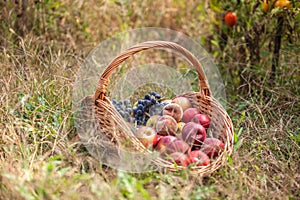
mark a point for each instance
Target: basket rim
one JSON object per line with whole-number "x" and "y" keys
{"x": 101, "y": 90}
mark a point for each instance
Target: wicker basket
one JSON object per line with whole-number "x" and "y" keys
{"x": 119, "y": 133}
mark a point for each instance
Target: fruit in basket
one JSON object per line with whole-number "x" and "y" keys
{"x": 156, "y": 140}
{"x": 183, "y": 102}
{"x": 147, "y": 107}
{"x": 180, "y": 159}
{"x": 180, "y": 126}
{"x": 177, "y": 146}
{"x": 164, "y": 142}
{"x": 174, "y": 110}
{"x": 124, "y": 108}
{"x": 202, "y": 119}
{"x": 166, "y": 125}
{"x": 199, "y": 158}
{"x": 189, "y": 113}
{"x": 139, "y": 114}
{"x": 152, "y": 121}
{"x": 212, "y": 147}
{"x": 156, "y": 109}
{"x": 193, "y": 134}
{"x": 147, "y": 136}
{"x": 155, "y": 95}
{"x": 230, "y": 19}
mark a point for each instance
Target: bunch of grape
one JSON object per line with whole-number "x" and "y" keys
{"x": 124, "y": 108}
{"x": 147, "y": 107}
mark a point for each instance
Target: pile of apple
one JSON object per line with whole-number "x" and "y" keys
{"x": 179, "y": 134}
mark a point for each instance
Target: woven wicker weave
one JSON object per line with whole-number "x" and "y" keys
{"x": 119, "y": 133}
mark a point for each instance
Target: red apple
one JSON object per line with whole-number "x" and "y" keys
{"x": 189, "y": 113}
{"x": 166, "y": 125}
{"x": 174, "y": 110}
{"x": 212, "y": 147}
{"x": 202, "y": 119}
{"x": 156, "y": 140}
{"x": 181, "y": 159}
{"x": 147, "y": 136}
{"x": 183, "y": 102}
{"x": 199, "y": 158}
{"x": 164, "y": 142}
{"x": 178, "y": 146}
{"x": 193, "y": 134}
{"x": 230, "y": 19}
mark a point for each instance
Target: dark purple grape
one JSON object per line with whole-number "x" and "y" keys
{"x": 126, "y": 102}
{"x": 121, "y": 113}
{"x": 146, "y": 109}
{"x": 127, "y": 115}
{"x": 147, "y": 103}
{"x": 147, "y": 97}
{"x": 129, "y": 110}
{"x": 144, "y": 102}
{"x": 153, "y": 101}
{"x": 140, "y": 107}
{"x": 153, "y": 93}
{"x": 139, "y": 113}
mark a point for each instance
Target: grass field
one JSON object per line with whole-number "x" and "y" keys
{"x": 43, "y": 44}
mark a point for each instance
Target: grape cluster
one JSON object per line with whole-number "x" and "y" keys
{"x": 124, "y": 108}
{"x": 147, "y": 107}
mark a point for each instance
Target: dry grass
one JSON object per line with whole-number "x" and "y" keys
{"x": 40, "y": 155}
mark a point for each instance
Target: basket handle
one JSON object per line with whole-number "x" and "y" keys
{"x": 103, "y": 81}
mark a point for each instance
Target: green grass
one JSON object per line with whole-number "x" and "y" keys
{"x": 40, "y": 154}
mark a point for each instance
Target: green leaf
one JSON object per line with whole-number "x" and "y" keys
{"x": 230, "y": 160}
{"x": 215, "y": 6}
{"x": 237, "y": 145}
{"x": 214, "y": 42}
{"x": 240, "y": 131}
